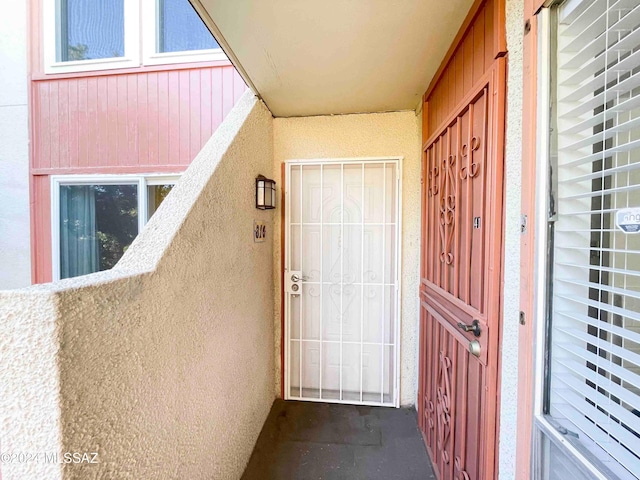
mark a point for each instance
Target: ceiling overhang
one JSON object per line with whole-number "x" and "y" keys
{"x": 335, "y": 56}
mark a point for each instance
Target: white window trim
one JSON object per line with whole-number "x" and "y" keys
{"x": 131, "y": 42}
{"x": 140, "y": 27}
{"x": 540, "y": 421}
{"x": 149, "y": 42}
{"x": 142, "y": 181}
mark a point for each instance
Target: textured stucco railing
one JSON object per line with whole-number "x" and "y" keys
{"x": 164, "y": 364}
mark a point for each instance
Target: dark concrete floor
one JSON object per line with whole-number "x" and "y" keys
{"x": 306, "y": 440}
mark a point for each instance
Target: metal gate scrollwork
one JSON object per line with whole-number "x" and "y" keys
{"x": 444, "y": 406}
{"x": 447, "y": 209}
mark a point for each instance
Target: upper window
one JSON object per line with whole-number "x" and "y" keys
{"x": 176, "y": 34}
{"x": 84, "y": 35}
{"x": 95, "y": 218}
{"x": 90, "y": 30}
{"x": 180, "y": 29}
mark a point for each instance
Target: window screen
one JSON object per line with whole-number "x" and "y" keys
{"x": 89, "y": 30}
{"x": 180, "y": 29}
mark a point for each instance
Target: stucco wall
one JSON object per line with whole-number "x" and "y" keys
{"x": 15, "y": 265}
{"x": 353, "y": 136}
{"x": 164, "y": 364}
{"x": 511, "y": 291}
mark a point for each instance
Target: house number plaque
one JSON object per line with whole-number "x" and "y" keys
{"x": 259, "y": 231}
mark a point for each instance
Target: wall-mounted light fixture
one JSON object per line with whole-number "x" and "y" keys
{"x": 265, "y": 193}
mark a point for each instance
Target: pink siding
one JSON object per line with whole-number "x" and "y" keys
{"x": 143, "y": 120}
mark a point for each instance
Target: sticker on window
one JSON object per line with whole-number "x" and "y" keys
{"x": 628, "y": 220}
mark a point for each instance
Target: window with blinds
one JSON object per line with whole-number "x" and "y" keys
{"x": 593, "y": 389}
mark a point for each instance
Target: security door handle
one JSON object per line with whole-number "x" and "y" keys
{"x": 473, "y": 328}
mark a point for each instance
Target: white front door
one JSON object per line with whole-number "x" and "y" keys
{"x": 341, "y": 281}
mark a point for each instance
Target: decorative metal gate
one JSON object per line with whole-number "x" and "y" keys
{"x": 341, "y": 281}
{"x": 460, "y": 288}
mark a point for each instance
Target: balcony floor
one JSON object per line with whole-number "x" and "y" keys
{"x": 306, "y": 440}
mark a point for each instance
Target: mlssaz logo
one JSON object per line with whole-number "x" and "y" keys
{"x": 77, "y": 457}
{"x": 628, "y": 220}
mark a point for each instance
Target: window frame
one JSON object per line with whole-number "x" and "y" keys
{"x": 131, "y": 58}
{"x": 149, "y": 42}
{"x": 140, "y": 29}
{"x": 142, "y": 181}
{"x": 588, "y": 456}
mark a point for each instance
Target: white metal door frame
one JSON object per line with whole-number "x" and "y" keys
{"x": 397, "y": 161}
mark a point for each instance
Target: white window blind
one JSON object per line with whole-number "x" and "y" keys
{"x": 594, "y": 380}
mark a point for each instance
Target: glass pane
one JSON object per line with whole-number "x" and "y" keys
{"x": 155, "y": 196}
{"x": 97, "y": 225}
{"x": 90, "y": 30}
{"x": 553, "y": 461}
{"x": 180, "y": 29}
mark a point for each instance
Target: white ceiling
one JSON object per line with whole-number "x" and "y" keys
{"x": 336, "y": 56}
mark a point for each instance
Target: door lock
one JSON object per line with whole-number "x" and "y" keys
{"x": 473, "y": 328}
{"x": 474, "y": 348}
{"x": 294, "y": 281}
{"x": 296, "y": 278}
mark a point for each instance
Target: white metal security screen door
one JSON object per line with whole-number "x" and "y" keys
{"x": 341, "y": 281}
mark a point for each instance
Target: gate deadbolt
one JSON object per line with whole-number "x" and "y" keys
{"x": 473, "y": 328}
{"x": 474, "y": 348}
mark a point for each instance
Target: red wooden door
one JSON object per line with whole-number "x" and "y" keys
{"x": 461, "y": 277}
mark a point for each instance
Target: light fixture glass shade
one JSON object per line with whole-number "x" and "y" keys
{"x": 265, "y": 193}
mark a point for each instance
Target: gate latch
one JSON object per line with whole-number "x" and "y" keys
{"x": 294, "y": 282}
{"x": 474, "y": 327}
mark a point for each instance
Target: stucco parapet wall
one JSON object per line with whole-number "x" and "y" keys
{"x": 40, "y": 339}
{"x": 30, "y": 419}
